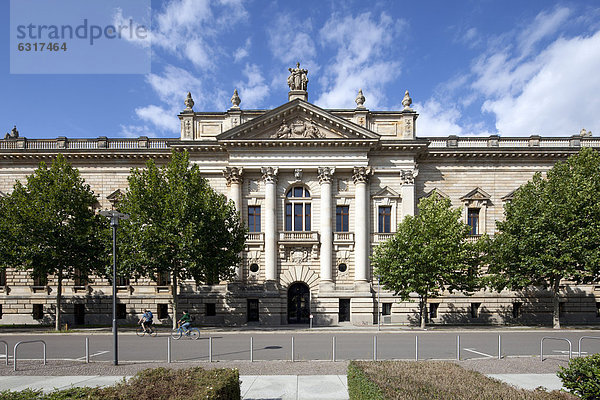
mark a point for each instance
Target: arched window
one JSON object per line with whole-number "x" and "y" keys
{"x": 297, "y": 209}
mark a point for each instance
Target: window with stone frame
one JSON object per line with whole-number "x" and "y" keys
{"x": 342, "y": 218}
{"x": 385, "y": 219}
{"x": 164, "y": 279}
{"x": 40, "y": 280}
{"x": 2, "y": 277}
{"x": 298, "y": 210}
{"x": 37, "y": 311}
{"x": 254, "y": 219}
{"x": 80, "y": 278}
{"x": 123, "y": 281}
{"x": 473, "y": 220}
{"x": 475, "y": 205}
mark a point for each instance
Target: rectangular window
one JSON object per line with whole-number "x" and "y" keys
{"x": 344, "y": 311}
{"x": 38, "y": 311}
{"x": 473, "y": 220}
{"x": 433, "y": 310}
{"x": 121, "y": 311}
{"x": 162, "y": 311}
{"x": 164, "y": 279}
{"x": 385, "y": 219}
{"x": 123, "y": 281}
{"x": 0, "y": 311}
{"x": 307, "y": 217}
{"x": 298, "y": 216}
{"x": 386, "y": 309}
{"x": 561, "y": 308}
{"x": 211, "y": 309}
{"x": 288, "y": 217}
{"x": 40, "y": 281}
{"x": 80, "y": 278}
{"x": 253, "y": 310}
{"x": 597, "y": 309}
{"x": 475, "y": 310}
{"x": 79, "y": 312}
{"x": 254, "y": 218}
{"x": 3, "y": 277}
{"x": 342, "y": 216}
{"x": 516, "y": 310}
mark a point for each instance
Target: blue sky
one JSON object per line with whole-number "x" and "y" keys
{"x": 513, "y": 68}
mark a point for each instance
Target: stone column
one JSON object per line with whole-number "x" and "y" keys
{"x": 269, "y": 175}
{"x": 325, "y": 177}
{"x": 362, "y": 231}
{"x": 408, "y": 191}
{"x": 233, "y": 175}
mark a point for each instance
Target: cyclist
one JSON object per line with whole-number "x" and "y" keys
{"x": 146, "y": 319}
{"x": 185, "y": 321}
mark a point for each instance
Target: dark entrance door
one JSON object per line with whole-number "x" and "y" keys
{"x": 298, "y": 303}
{"x": 253, "y": 310}
{"x": 344, "y": 315}
{"x": 79, "y": 314}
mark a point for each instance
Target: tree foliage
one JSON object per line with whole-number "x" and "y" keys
{"x": 551, "y": 230}
{"x": 428, "y": 254}
{"x": 179, "y": 225}
{"x": 48, "y": 226}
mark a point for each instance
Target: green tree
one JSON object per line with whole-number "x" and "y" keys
{"x": 179, "y": 225}
{"x": 551, "y": 230}
{"x": 48, "y": 226}
{"x": 428, "y": 254}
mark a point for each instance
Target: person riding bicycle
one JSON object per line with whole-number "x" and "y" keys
{"x": 185, "y": 321}
{"x": 146, "y": 319}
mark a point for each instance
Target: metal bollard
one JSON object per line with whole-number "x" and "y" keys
{"x": 499, "y": 347}
{"x": 292, "y": 349}
{"x": 87, "y": 350}
{"x": 457, "y": 347}
{"x": 374, "y": 348}
{"x": 251, "y": 349}
{"x": 333, "y": 350}
{"x": 169, "y": 349}
{"x": 416, "y": 348}
{"x": 210, "y": 349}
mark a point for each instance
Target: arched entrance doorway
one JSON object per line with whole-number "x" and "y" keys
{"x": 298, "y": 303}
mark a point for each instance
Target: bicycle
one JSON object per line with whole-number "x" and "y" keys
{"x": 192, "y": 333}
{"x": 150, "y": 331}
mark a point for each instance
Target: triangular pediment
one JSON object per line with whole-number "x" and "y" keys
{"x": 509, "y": 196}
{"x": 115, "y": 196}
{"x": 436, "y": 192}
{"x": 476, "y": 194}
{"x": 386, "y": 192}
{"x": 295, "y": 121}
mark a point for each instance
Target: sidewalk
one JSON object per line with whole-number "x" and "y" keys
{"x": 284, "y": 387}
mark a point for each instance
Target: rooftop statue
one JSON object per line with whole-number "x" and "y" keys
{"x": 14, "y": 133}
{"x": 297, "y": 79}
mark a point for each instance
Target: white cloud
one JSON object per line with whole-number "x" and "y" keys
{"x": 242, "y": 52}
{"x": 133, "y": 131}
{"x": 291, "y": 41}
{"x": 164, "y": 119}
{"x": 561, "y": 95}
{"x": 361, "y": 60}
{"x": 254, "y": 90}
{"x": 437, "y": 120}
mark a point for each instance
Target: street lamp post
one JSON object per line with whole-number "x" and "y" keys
{"x": 379, "y": 302}
{"x": 114, "y": 223}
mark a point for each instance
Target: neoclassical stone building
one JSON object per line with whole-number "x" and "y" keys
{"x": 318, "y": 189}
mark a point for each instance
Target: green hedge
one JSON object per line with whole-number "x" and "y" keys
{"x": 582, "y": 377}
{"x": 152, "y": 384}
{"x": 429, "y": 380}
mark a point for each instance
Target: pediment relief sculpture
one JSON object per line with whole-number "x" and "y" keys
{"x": 298, "y": 129}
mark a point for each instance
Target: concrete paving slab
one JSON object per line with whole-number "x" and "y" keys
{"x": 246, "y": 383}
{"x": 280, "y": 387}
{"x": 323, "y": 387}
{"x": 45, "y": 383}
{"x": 530, "y": 381}
{"x": 94, "y": 381}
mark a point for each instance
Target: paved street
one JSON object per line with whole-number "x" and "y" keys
{"x": 308, "y": 345}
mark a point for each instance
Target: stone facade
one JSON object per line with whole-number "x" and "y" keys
{"x": 319, "y": 189}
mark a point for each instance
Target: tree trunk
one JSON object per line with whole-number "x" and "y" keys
{"x": 423, "y": 310}
{"x": 555, "y": 305}
{"x": 58, "y": 300}
{"x": 174, "y": 292}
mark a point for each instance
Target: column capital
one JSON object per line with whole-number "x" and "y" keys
{"x": 233, "y": 175}
{"x": 325, "y": 174}
{"x": 362, "y": 174}
{"x": 269, "y": 174}
{"x": 408, "y": 176}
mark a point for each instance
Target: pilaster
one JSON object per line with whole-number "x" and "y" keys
{"x": 269, "y": 176}
{"x": 325, "y": 175}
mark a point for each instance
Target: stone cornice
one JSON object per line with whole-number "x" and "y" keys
{"x": 547, "y": 152}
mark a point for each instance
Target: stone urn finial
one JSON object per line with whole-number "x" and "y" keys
{"x": 407, "y": 101}
{"x": 235, "y": 99}
{"x": 585, "y": 133}
{"x": 360, "y": 99}
{"x": 189, "y": 102}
